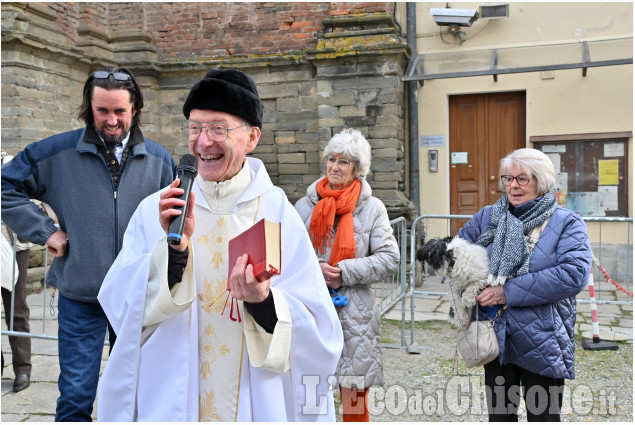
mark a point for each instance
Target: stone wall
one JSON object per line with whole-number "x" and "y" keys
{"x": 319, "y": 67}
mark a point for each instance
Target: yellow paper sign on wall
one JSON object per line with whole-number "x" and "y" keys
{"x": 608, "y": 172}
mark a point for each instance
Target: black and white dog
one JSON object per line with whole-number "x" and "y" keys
{"x": 465, "y": 263}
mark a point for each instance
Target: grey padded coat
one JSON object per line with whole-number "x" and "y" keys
{"x": 377, "y": 259}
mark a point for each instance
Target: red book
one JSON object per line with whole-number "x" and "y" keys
{"x": 261, "y": 242}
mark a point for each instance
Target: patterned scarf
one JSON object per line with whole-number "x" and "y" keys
{"x": 510, "y": 255}
{"x": 341, "y": 202}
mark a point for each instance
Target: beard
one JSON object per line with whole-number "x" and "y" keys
{"x": 108, "y": 139}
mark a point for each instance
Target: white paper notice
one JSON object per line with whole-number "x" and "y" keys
{"x": 554, "y": 148}
{"x": 608, "y": 197}
{"x": 613, "y": 149}
{"x": 459, "y": 157}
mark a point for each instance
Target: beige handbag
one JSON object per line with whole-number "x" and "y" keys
{"x": 477, "y": 343}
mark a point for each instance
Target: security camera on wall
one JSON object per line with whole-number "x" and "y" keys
{"x": 450, "y": 17}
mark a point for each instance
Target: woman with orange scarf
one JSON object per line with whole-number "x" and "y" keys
{"x": 353, "y": 240}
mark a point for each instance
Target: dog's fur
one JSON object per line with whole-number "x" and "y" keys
{"x": 468, "y": 275}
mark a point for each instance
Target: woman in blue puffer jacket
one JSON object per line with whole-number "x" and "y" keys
{"x": 537, "y": 292}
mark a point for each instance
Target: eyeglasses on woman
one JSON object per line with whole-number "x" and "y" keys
{"x": 522, "y": 180}
{"x": 342, "y": 163}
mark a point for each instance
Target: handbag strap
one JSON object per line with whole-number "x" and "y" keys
{"x": 456, "y": 345}
{"x": 534, "y": 234}
{"x": 474, "y": 355}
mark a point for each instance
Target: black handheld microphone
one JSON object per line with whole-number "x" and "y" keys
{"x": 187, "y": 170}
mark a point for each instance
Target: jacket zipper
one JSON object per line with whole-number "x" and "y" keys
{"x": 115, "y": 205}
{"x": 125, "y": 166}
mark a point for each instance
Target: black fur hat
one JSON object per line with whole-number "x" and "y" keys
{"x": 226, "y": 90}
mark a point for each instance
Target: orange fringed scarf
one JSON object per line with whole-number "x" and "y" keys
{"x": 341, "y": 202}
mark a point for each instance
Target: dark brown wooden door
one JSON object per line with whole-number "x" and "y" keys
{"x": 485, "y": 127}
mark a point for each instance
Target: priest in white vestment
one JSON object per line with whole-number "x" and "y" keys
{"x": 187, "y": 349}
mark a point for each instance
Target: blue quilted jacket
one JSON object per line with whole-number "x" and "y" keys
{"x": 536, "y": 331}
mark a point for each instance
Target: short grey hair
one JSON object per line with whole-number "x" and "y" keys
{"x": 352, "y": 144}
{"x": 535, "y": 164}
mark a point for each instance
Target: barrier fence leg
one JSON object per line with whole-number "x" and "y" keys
{"x": 413, "y": 347}
{"x": 596, "y": 344}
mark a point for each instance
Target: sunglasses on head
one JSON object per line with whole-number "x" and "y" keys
{"x": 119, "y": 76}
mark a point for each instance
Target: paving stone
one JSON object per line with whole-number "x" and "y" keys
{"x": 626, "y": 332}
{"x": 609, "y": 309}
{"x": 444, "y": 307}
{"x": 608, "y": 335}
{"x": 609, "y": 319}
{"x": 40, "y": 398}
{"x": 15, "y": 418}
{"x": 427, "y": 304}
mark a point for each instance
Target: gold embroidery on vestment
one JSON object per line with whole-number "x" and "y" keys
{"x": 216, "y": 241}
{"x": 207, "y": 411}
{"x": 210, "y": 349}
{"x": 221, "y": 360}
{"x": 240, "y": 373}
{"x": 212, "y": 293}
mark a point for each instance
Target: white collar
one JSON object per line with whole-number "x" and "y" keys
{"x": 222, "y": 196}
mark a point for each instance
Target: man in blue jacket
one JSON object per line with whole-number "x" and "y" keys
{"x": 94, "y": 178}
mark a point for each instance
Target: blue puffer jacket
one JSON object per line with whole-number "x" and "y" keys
{"x": 536, "y": 331}
{"x": 67, "y": 172}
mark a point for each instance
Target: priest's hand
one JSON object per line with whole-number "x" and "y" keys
{"x": 168, "y": 203}
{"x": 244, "y": 285}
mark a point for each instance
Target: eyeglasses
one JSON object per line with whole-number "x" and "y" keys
{"x": 216, "y": 131}
{"x": 522, "y": 180}
{"x": 343, "y": 163}
{"x": 119, "y": 76}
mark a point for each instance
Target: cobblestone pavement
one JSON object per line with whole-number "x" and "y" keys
{"x": 427, "y": 387}
{"x": 419, "y": 387}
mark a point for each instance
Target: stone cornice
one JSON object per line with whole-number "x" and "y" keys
{"x": 358, "y": 35}
{"x": 91, "y": 37}
{"x": 359, "y": 24}
{"x": 28, "y": 19}
{"x": 37, "y": 47}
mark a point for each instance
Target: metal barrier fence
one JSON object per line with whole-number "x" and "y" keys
{"x": 10, "y": 331}
{"x": 388, "y": 293}
{"x": 46, "y": 292}
{"x": 429, "y": 284}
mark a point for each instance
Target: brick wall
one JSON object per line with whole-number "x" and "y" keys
{"x": 184, "y": 31}
{"x": 319, "y": 67}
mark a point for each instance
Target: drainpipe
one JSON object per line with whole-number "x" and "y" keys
{"x": 413, "y": 110}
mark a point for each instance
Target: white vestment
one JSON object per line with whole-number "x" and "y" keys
{"x": 154, "y": 369}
